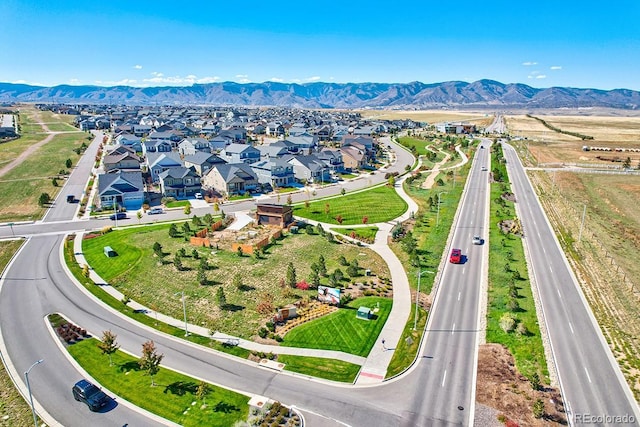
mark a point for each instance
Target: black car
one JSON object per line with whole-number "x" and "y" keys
{"x": 84, "y": 391}
{"x": 119, "y": 215}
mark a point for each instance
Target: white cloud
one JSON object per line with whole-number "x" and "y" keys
{"x": 555, "y": 67}
{"x": 75, "y": 81}
{"x": 159, "y": 78}
{"x": 541, "y": 76}
{"x": 276, "y": 79}
{"x": 313, "y": 79}
{"x": 123, "y": 82}
{"x": 529, "y": 63}
{"x": 25, "y": 82}
{"x": 242, "y": 76}
{"x": 243, "y": 80}
{"x": 138, "y": 67}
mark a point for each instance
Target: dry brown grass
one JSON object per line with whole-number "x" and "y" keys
{"x": 429, "y": 116}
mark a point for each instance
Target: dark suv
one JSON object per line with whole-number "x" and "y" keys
{"x": 84, "y": 391}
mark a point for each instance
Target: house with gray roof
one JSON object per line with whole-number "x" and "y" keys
{"x": 202, "y": 162}
{"x": 125, "y": 189}
{"x": 130, "y": 140}
{"x": 179, "y": 182}
{"x": 160, "y": 162}
{"x": 309, "y": 169}
{"x": 121, "y": 159}
{"x": 190, "y": 146}
{"x": 155, "y": 146}
{"x": 240, "y": 153}
{"x": 229, "y": 179}
{"x": 274, "y": 173}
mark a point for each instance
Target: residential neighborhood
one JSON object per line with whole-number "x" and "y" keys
{"x": 178, "y": 153}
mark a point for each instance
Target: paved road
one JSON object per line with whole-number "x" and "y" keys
{"x": 591, "y": 380}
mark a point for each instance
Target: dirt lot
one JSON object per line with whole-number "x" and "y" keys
{"x": 502, "y": 388}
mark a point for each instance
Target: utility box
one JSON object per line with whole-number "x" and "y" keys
{"x": 109, "y": 252}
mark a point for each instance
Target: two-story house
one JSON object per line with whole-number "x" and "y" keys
{"x": 190, "y": 146}
{"x": 240, "y": 153}
{"x": 179, "y": 182}
{"x": 160, "y": 162}
{"x": 124, "y": 189}
{"x": 274, "y": 173}
{"x": 229, "y": 179}
{"x": 201, "y": 162}
{"x": 121, "y": 159}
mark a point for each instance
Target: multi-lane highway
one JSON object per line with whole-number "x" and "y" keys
{"x": 591, "y": 380}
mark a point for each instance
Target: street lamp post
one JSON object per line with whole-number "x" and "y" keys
{"x": 415, "y": 317}
{"x": 438, "y": 212}
{"x": 11, "y": 225}
{"x": 26, "y": 378}
{"x": 184, "y": 311}
{"x": 115, "y": 209}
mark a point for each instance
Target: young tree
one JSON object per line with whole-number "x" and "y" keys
{"x": 627, "y": 163}
{"x": 202, "y": 277}
{"x": 54, "y": 182}
{"x": 186, "y": 229}
{"x": 342, "y": 260}
{"x": 237, "y": 281}
{"x": 538, "y": 408}
{"x": 173, "y": 230}
{"x": 291, "y": 275}
{"x": 196, "y": 221}
{"x": 139, "y": 216}
{"x": 322, "y": 266}
{"x": 339, "y": 218}
{"x": 289, "y": 199}
{"x": 108, "y": 345}
{"x": 221, "y": 298}
{"x": 187, "y": 209}
{"x": 44, "y": 199}
{"x": 202, "y": 390}
{"x": 343, "y": 191}
{"x": 208, "y": 219}
{"x": 177, "y": 262}
{"x": 195, "y": 254}
{"x": 314, "y": 278}
{"x": 150, "y": 360}
{"x": 85, "y": 271}
{"x": 68, "y": 163}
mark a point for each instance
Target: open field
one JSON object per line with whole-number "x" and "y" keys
{"x": 143, "y": 277}
{"x": 549, "y": 146}
{"x": 430, "y": 116}
{"x": 172, "y": 395}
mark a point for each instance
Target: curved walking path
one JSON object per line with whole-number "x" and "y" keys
{"x": 375, "y": 365}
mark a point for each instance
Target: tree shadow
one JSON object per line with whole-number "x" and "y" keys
{"x": 225, "y": 407}
{"x": 180, "y": 388}
{"x": 129, "y": 366}
{"x": 232, "y": 307}
{"x": 246, "y": 288}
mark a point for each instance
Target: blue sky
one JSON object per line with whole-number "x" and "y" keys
{"x": 158, "y": 43}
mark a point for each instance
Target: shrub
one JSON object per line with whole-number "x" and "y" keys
{"x": 538, "y": 408}
{"x": 302, "y": 285}
{"x": 507, "y": 323}
{"x": 263, "y": 332}
{"x": 513, "y": 305}
{"x": 522, "y": 330}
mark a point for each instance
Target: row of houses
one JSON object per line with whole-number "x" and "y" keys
{"x": 236, "y": 169}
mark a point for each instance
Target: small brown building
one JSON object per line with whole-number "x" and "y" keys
{"x": 271, "y": 214}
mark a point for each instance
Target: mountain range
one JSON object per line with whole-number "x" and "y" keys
{"x": 414, "y": 95}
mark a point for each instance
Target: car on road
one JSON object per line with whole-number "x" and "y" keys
{"x": 198, "y": 196}
{"x": 456, "y": 256}
{"x": 84, "y": 391}
{"x": 484, "y": 168}
{"x": 155, "y": 211}
{"x": 119, "y": 215}
{"x": 477, "y": 240}
{"x": 71, "y": 198}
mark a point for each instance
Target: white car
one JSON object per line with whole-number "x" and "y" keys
{"x": 198, "y": 196}
{"x": 484, "y": 168}
{"x": 477, "y": 240}
{"x": 154, "y": 211}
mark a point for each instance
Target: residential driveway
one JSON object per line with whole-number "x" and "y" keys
{"x": 198, "y": 203}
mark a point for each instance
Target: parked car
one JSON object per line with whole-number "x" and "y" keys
{"x": 198, "y": 196}
{"x": 71, "y": 198}
{"x": 155, "y": 211}
{"x": 119, "y": 215}
{"x": 456, "y": 256}
{"x": 477, "y": 240}
{"x": 84, "y": 391}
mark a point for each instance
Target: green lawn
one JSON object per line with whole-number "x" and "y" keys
{"x": 63, "y": 127}
{"x": 379, "y": 204}
{"x": 173, "y": 395}
{"x": 341, "y": 330}
{"x": 506, "y": 250}
{"x": 409, "y": 344}
{"x": 178, "y": 204}
{"x": 364, "y": 233}
{"x": 136, "y": 272}
{"x": 329, "y": 369}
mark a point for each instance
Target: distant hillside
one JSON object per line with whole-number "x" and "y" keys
{"x": 480, "y": 94}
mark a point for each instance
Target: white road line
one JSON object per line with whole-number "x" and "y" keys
{"x": 444, "y": 377}
{"x": 558, "y": 290}
{"x": 550, "y": 270}
{"x": 571, "y": 327}
{"x": 587, "y": 372}
{"x": 453, "y": 328}
{"x": 459, "y": 294}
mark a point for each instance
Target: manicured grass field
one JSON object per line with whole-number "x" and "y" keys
{"x": 329, "y": 369}
{"x": 366, "y": 233}
{"x": 341, "y": 330}
{"x": 62, "y": 127}
{"x": 506, "y": 250}
{"x": 409, "y": 343}
{"x": 171, "y": 397}
{"x": 379, "y": 204}
{"x": 178, "y": 204}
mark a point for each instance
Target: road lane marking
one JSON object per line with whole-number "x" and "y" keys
{"x": 444, "y": 377}
{"x": 587, "y": 372}
{"x": 559, "y": 296}
{"x": 453, "y": 328}
{"x": 571, "y": 327}
{"x": 459, "y": 293}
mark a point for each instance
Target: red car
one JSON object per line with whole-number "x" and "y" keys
{"x": 456, "y": 256}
